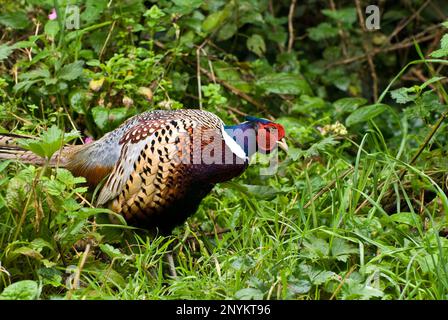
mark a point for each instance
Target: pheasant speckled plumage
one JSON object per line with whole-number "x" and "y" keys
{"x": 151, "y": 178}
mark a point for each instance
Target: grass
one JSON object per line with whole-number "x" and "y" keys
{"x": 356, "y": 212}
{"x": 273, "y": 247}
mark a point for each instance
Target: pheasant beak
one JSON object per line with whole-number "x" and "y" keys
{"x": 282, "y": 145}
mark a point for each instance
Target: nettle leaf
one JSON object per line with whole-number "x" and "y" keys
{"x": 71, "y": 71}
{"x": 21, "y": 290}
{"x": 405, "y": 95}
{"x": 49, "y": 142}
{"x": 321, "y": 146}
{"x": 366, "y": 113}
{"x": 256, "y": 44}
{"x": 322, "y": 31}
{"x": 425, "y": 105}
{"x": 5, "y": 51}
{"x": 15, "y": 20}
{"x": 443, "y": 51}
{"x": 284, "y": 83}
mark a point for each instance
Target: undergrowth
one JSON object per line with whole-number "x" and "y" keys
{"x": 358, "y": 208}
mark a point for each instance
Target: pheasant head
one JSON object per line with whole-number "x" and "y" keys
{"x": 258, "y": 135}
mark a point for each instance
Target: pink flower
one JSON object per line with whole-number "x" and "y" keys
{"x": 88, "y": 140}
{"x": 53, "y": 15}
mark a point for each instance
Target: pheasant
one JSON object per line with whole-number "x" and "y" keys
{"x": 159, "y": 165}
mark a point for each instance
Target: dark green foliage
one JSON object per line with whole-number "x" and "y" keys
{"x": 357, "y": 210}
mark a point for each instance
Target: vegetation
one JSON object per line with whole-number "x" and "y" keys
{"x": 357, "y": 210}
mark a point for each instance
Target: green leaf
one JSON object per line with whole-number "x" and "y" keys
{"x": 404, "y": 95}
{"x": 5, "y": 51}
{"x": 93, "y": 10}
{"x": 284, "y": 83}
{"x": 249, "y": 294}
{"x": 15, "y": 20}
{"x": 227, "y": 31}
{"x": 408, "y": 218}
{"x": 261, "y": 192}
{"x": 78, "y": 100}
{"x": 345, "y": 15}
{"x": 185, "y": 7}
{"x": 35, "y": 74}
{"x": 322, "y": 31}
{"x": 71, "y": 71}
{"x": 29, "y": 252}
{"x": 341, "y": 249}
{"x": 443, "y": 51}
{"x": 111, "y": 251}
{"x": 366, "y": 113}
{"x": 49, "y": 142}
{"x": 256, "y": 44}
{"x": 216, "y": 19}
{"x": 21, "y": 290}
{"x": 108, "y": 118}
{"x": 348, "y": 104}
{"x": 298, "y": 286}
{"x": 315, "y": 248}
{"x": 51, "y": 28}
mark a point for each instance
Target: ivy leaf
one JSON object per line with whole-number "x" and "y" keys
{"x": 366, "y": 113}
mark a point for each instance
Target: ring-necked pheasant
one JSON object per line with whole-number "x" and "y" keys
{"x": 161, "y": 164}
